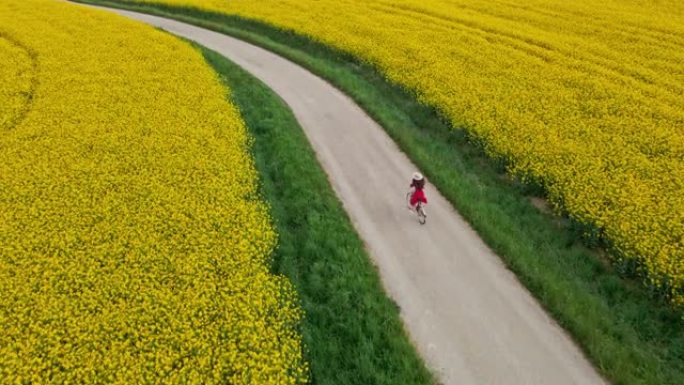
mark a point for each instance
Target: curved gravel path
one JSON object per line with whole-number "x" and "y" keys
{"x": 469, "y": 317}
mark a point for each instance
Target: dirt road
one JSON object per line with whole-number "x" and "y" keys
{"x": 469, "y": 317}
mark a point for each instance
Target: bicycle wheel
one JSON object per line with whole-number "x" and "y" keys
{"x": 422, "y": 217}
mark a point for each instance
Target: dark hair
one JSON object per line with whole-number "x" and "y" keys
{"x": 420, "y": 184}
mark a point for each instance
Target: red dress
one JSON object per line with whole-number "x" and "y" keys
{"x": 418, "y": 196}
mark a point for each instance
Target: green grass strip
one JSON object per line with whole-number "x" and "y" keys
{"x": 630, "y": 337}
{"x": 352, "y": 331}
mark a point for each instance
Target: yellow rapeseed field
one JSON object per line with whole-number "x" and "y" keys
{"x": 133, "y": 245}
{"x": 584, "y": 97}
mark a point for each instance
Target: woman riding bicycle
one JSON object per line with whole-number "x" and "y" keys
{"x": 418, "y": 195}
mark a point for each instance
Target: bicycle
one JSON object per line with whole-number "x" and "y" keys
{"x": 419, "y": 209}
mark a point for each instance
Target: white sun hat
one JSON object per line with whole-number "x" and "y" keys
{"x": 417, "y": 176}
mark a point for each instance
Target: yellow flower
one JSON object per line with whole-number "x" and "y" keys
{"x": 133, "y": 244}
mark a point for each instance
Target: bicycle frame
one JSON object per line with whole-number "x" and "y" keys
{"x": 420, "y": 211}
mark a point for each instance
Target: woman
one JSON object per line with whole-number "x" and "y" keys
{"x": 418, "y": 195}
